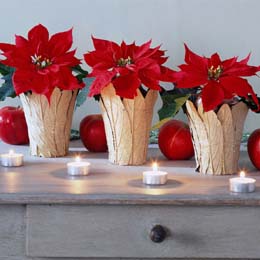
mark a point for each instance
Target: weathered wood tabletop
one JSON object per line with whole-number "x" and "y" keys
{"x": 46, "y": 181}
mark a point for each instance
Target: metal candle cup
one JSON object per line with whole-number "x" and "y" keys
{"x": 155, "y": 177}
{"x": 242, "y": 184}
{"x": 78, "y": 168}
{"x": 12, "y": 159}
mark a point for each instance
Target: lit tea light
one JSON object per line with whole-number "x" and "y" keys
{"x": 78, "y": 167}
{"x": 12, "y": 159}
{"x": 242, "y": 183}
{"x": 155, "y": 177}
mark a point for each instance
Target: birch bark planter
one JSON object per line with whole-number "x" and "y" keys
{"x": 216, "y": 137}
{"x": 127, "y": 125}
{"x": 49, "y": 124}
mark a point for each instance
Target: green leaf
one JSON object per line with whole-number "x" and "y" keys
{"x": 7, "y": 89}
{"x": 172, "y": 103}
{"x": 79, "y": 73}
{"x": 4, "y": 70}
{"x": 160, "y": 123}
{"x": 83, "y": 93}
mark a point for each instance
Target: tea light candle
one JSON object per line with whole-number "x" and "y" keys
{"x": 242, "y": 183}
{"x": 78, "y": 168}
{"x": 12, "y": 159}
{"x": 155, "y": 177}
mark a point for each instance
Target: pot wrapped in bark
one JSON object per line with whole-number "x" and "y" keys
{"x": 217, "y": 136}
{"x": 49, "y": 124}
{"x": 127, "y": 125}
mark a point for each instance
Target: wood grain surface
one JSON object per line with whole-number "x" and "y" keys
{"x": 45, "y": 180}
{"x": 123, "y": 231}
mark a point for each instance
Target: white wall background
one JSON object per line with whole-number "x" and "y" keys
{"x": 230, "y": 27}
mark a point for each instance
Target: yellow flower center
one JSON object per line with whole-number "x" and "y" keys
{"x": 214, "y": 73}
{"x": 123, "y": 62}
{"x": 40, "y": 62}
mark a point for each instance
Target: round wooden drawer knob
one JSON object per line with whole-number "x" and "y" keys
{"x": 158, "y": 234}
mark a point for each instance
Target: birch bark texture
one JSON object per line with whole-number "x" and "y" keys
{"x": 216, "y": 137}
{"x": 127, "y": 125}
{"x": 49, "y": 124}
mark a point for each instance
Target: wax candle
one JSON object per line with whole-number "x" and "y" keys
{"x": 12, "y": 159}
{"x": 242, "y": 183}
{"x": 155, "y": 177}
{"x": 78, "y": 167}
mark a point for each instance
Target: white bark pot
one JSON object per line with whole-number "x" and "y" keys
{"x": 217, "y": 137}
{"x": 127, "y": 125}
{"x": 49, "y": 124}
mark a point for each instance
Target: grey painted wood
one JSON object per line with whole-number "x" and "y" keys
{"x": 62, "y": 258}
{"x": 45, "y": 181}
{"x": 12, "y": 231}
{"x": 123, "y": 231}
{"x": 111, "y": 213}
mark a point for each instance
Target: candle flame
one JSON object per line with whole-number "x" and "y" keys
{"x": 155, "y": 166}
{"x": 242, "y": 174}
{"x": 11, "y": 152}
{"x": 77, "y": 159}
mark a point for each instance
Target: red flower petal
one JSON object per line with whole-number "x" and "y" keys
{"x": 28, "y": 57}
{"x": 152, "y": 71}
{"x": 142, "y": 49}
{"x": 100, "y": 82}
{"x": 6, "y": 47}
{"x": 138, "y": 64}
{"x": 102, "y": 45}
{"x": 20, "y": 41}
{"x": 126, "y": 86}
{"x": 67, "y": 80}
{"x": 214, "y": 61}
{"x": 240, "y": 68}
{"x": 246, "y": 59}
{"x": 144, "y": 62}
{"x": 38, "y": 33}
{"x": 100, "y": 59}
{"x": 68, "y": 59}
{"x": 25, "y": 80}
{"x": 191, "y": 58}
{"x": 148, "y": 82}
{"x": 38, "y": 37}
{"x": 238, "y": 86}
{"x": 212, "y": 95}
{"x": 60, "y": 43}
{"x": 226, "y": 64}
{"x": 167, "y": 74}
{"x": 189, "y": 80}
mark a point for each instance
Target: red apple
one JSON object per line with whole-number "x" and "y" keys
{"x": 175, "y": 140}
{"x": 13, "y": 127}
{"x": 253, "y": 148}
{"x": 92, "y": 133}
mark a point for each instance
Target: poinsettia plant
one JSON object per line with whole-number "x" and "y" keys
{"x": 217, "y": 81}
{"x": 39, "y": 63}
{"x": 127, "y": 66}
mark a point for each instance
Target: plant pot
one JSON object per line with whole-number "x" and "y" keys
{"x": 49, "y": 124}
{"x": 127, "y": 125}
{"x": 216, "y": 137}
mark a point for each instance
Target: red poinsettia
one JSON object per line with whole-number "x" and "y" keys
{"x": 219, "y": 80}
{"x": 41, "y": 62}
{"x": 126, "y": 66}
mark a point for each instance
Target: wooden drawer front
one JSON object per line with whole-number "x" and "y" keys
{"x": 123, "y": 231}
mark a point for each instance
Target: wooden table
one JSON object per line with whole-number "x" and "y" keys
{"x": 44, "y": 214}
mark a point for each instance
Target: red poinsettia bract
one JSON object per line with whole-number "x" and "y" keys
{"x": 219, "y": 80}
{"x": 126, "y": 66}
{"x": 41, "y": 63}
